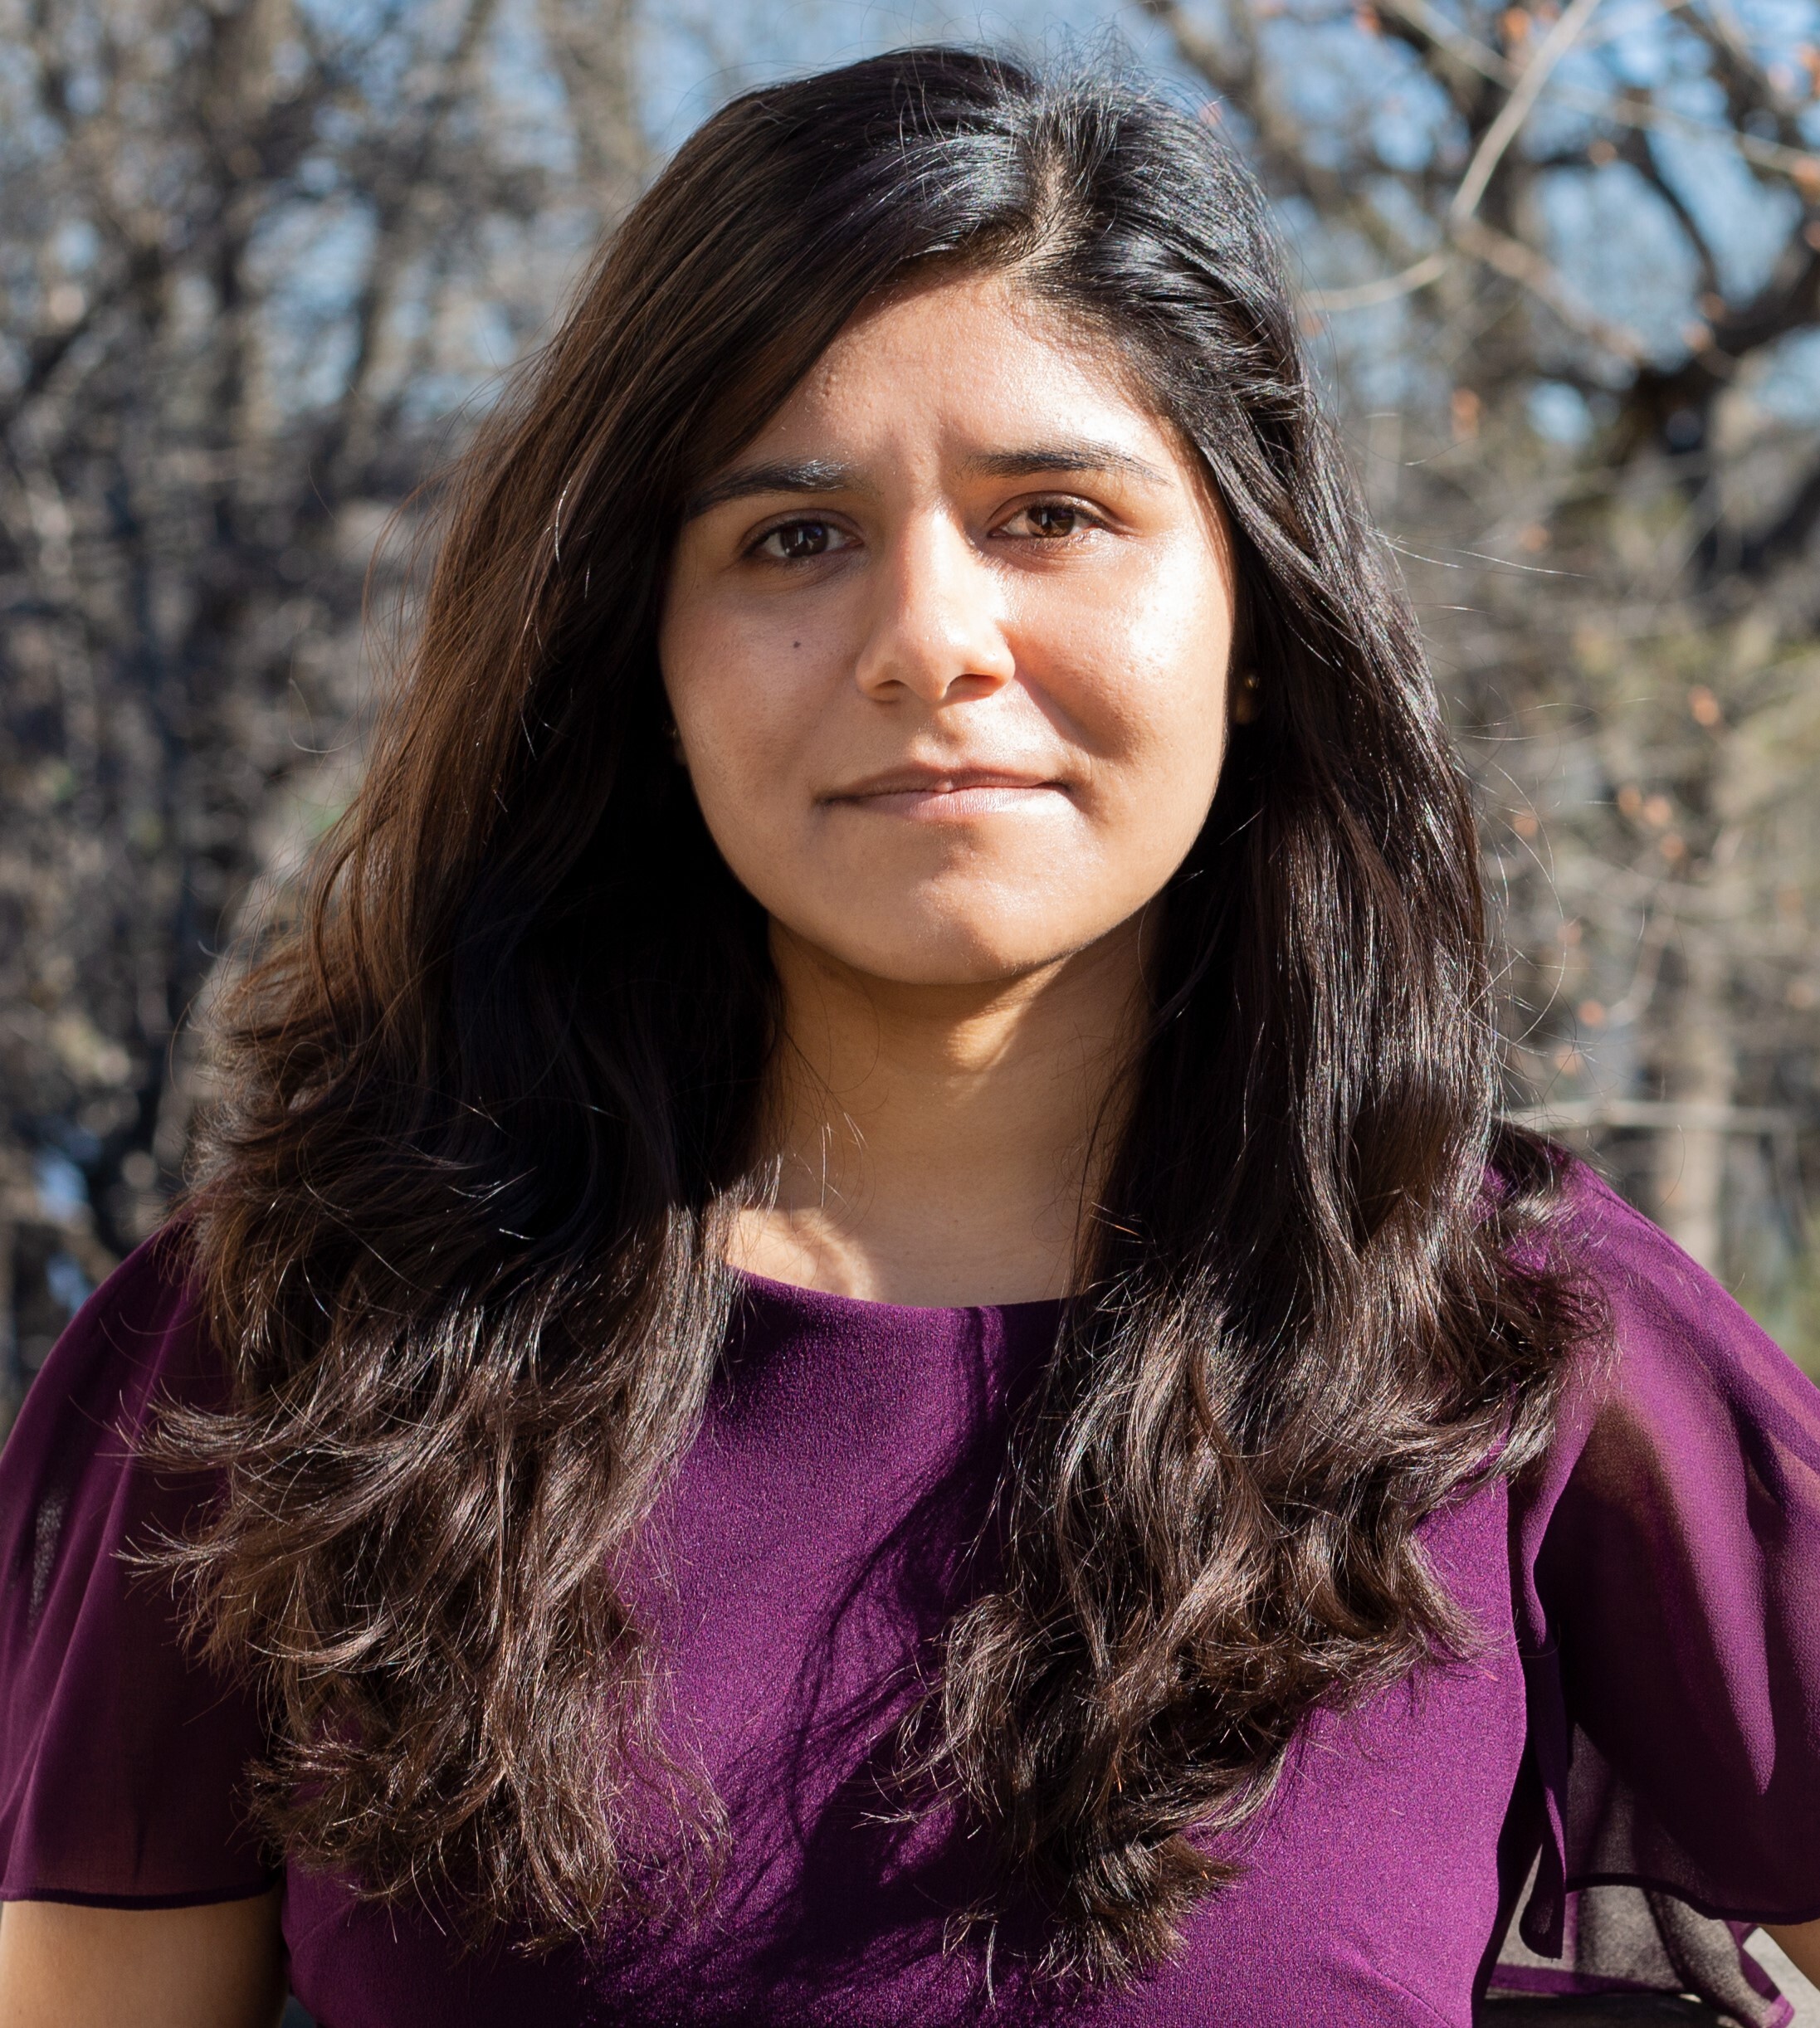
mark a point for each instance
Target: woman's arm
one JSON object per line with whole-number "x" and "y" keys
{"x": 217, "y": 1966}
{"x": 1802, "y": 1942}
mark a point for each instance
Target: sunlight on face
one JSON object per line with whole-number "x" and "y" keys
{"x": 946, "y": 644}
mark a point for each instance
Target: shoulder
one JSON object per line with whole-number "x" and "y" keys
{"x": 121, "y": 1754}
{"x": 139, "y": 1340}
{"x": 1666, "y": 1577}
{"x": 140, "y": 1335}
{"x": 1677, "y": 1405}
{"x": 1670, "y": 1338}
{"x": 150, "y": 1293}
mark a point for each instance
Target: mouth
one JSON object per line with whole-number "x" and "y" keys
{"x": 946, "y": 794}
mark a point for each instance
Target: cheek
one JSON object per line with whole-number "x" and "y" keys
{"x": 746, "y": 709}
{"x": 1143, "y": 681}
{"x": 1149, "y": 802}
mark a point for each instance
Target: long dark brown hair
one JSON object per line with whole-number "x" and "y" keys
{"x": 461, "y": 1223}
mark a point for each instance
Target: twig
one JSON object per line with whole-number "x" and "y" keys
{"x": 1525, "y": 265}
{"x": 1799, "y": 163}
{"x": 1516, "y": 109}
{"x": 1365, "y": 295}
{"x": 1497, "y": 250}
{"x": 1659, "y": 1115}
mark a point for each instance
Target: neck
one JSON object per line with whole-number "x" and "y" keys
{"x": 940, "y": 1144}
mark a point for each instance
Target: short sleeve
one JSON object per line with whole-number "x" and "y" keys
{"x": 1666, "y": 1557}
{"x": 122, "y": 1760}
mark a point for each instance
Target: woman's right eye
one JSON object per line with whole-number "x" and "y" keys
{"x": 796, "y": 542}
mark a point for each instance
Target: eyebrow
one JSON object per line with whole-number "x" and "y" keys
{"x": 809, "y": 475}
{"x": 1082, "y": 455}
{"x": 823, "y": 475}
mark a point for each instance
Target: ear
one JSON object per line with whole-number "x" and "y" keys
{"x": 1245, "y": 701}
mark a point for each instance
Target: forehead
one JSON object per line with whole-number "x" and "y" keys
{"x": 974, "y": 359}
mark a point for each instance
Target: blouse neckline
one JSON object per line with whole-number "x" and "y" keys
{"x": 823, "y": 1303}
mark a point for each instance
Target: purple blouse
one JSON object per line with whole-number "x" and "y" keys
{"x": 1631, "y": 1754}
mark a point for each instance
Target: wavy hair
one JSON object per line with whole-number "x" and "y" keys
{"x": 460, "y": 1219}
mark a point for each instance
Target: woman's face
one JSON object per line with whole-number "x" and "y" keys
{"x": 947, "y": 645}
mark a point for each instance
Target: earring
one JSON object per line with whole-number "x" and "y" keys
{"x": 1246, "y": 701}
{"x": 675, "y": 738}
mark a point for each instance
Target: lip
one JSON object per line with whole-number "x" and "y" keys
{"x": 933, "y": 794}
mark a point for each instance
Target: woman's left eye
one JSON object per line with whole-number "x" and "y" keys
{"x": 1050, "y": 520}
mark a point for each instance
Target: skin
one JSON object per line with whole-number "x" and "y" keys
{"x": 947, "y": 648}
{"x": 217, "y": 1966}
{"x": 955, "y": 743}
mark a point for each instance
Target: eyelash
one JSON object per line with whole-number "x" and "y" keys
{"x": 1061, "y": 505}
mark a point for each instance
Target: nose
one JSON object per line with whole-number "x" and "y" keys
{"x": 936, "y": 630}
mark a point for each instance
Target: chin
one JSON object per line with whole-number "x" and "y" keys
{"x": 947, "y": 954}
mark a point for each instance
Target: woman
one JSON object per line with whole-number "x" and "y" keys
{"x": 858, "y": 1345}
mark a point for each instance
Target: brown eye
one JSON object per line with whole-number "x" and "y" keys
{"x": 1051, "y": 521}
{"x": 797, "y": 541}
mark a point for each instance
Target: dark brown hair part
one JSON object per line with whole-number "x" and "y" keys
{"x": 461, "y": 1221}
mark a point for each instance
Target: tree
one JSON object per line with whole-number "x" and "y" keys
{"x": 1570, "y": 266}
{"x": 253, "y": 254}
{"x": 259, "y": 258}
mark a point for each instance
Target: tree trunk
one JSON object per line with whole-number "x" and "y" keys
{"x": 1701, "y": 1068}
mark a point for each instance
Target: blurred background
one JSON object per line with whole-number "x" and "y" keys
{"x": 264, "y": 262}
